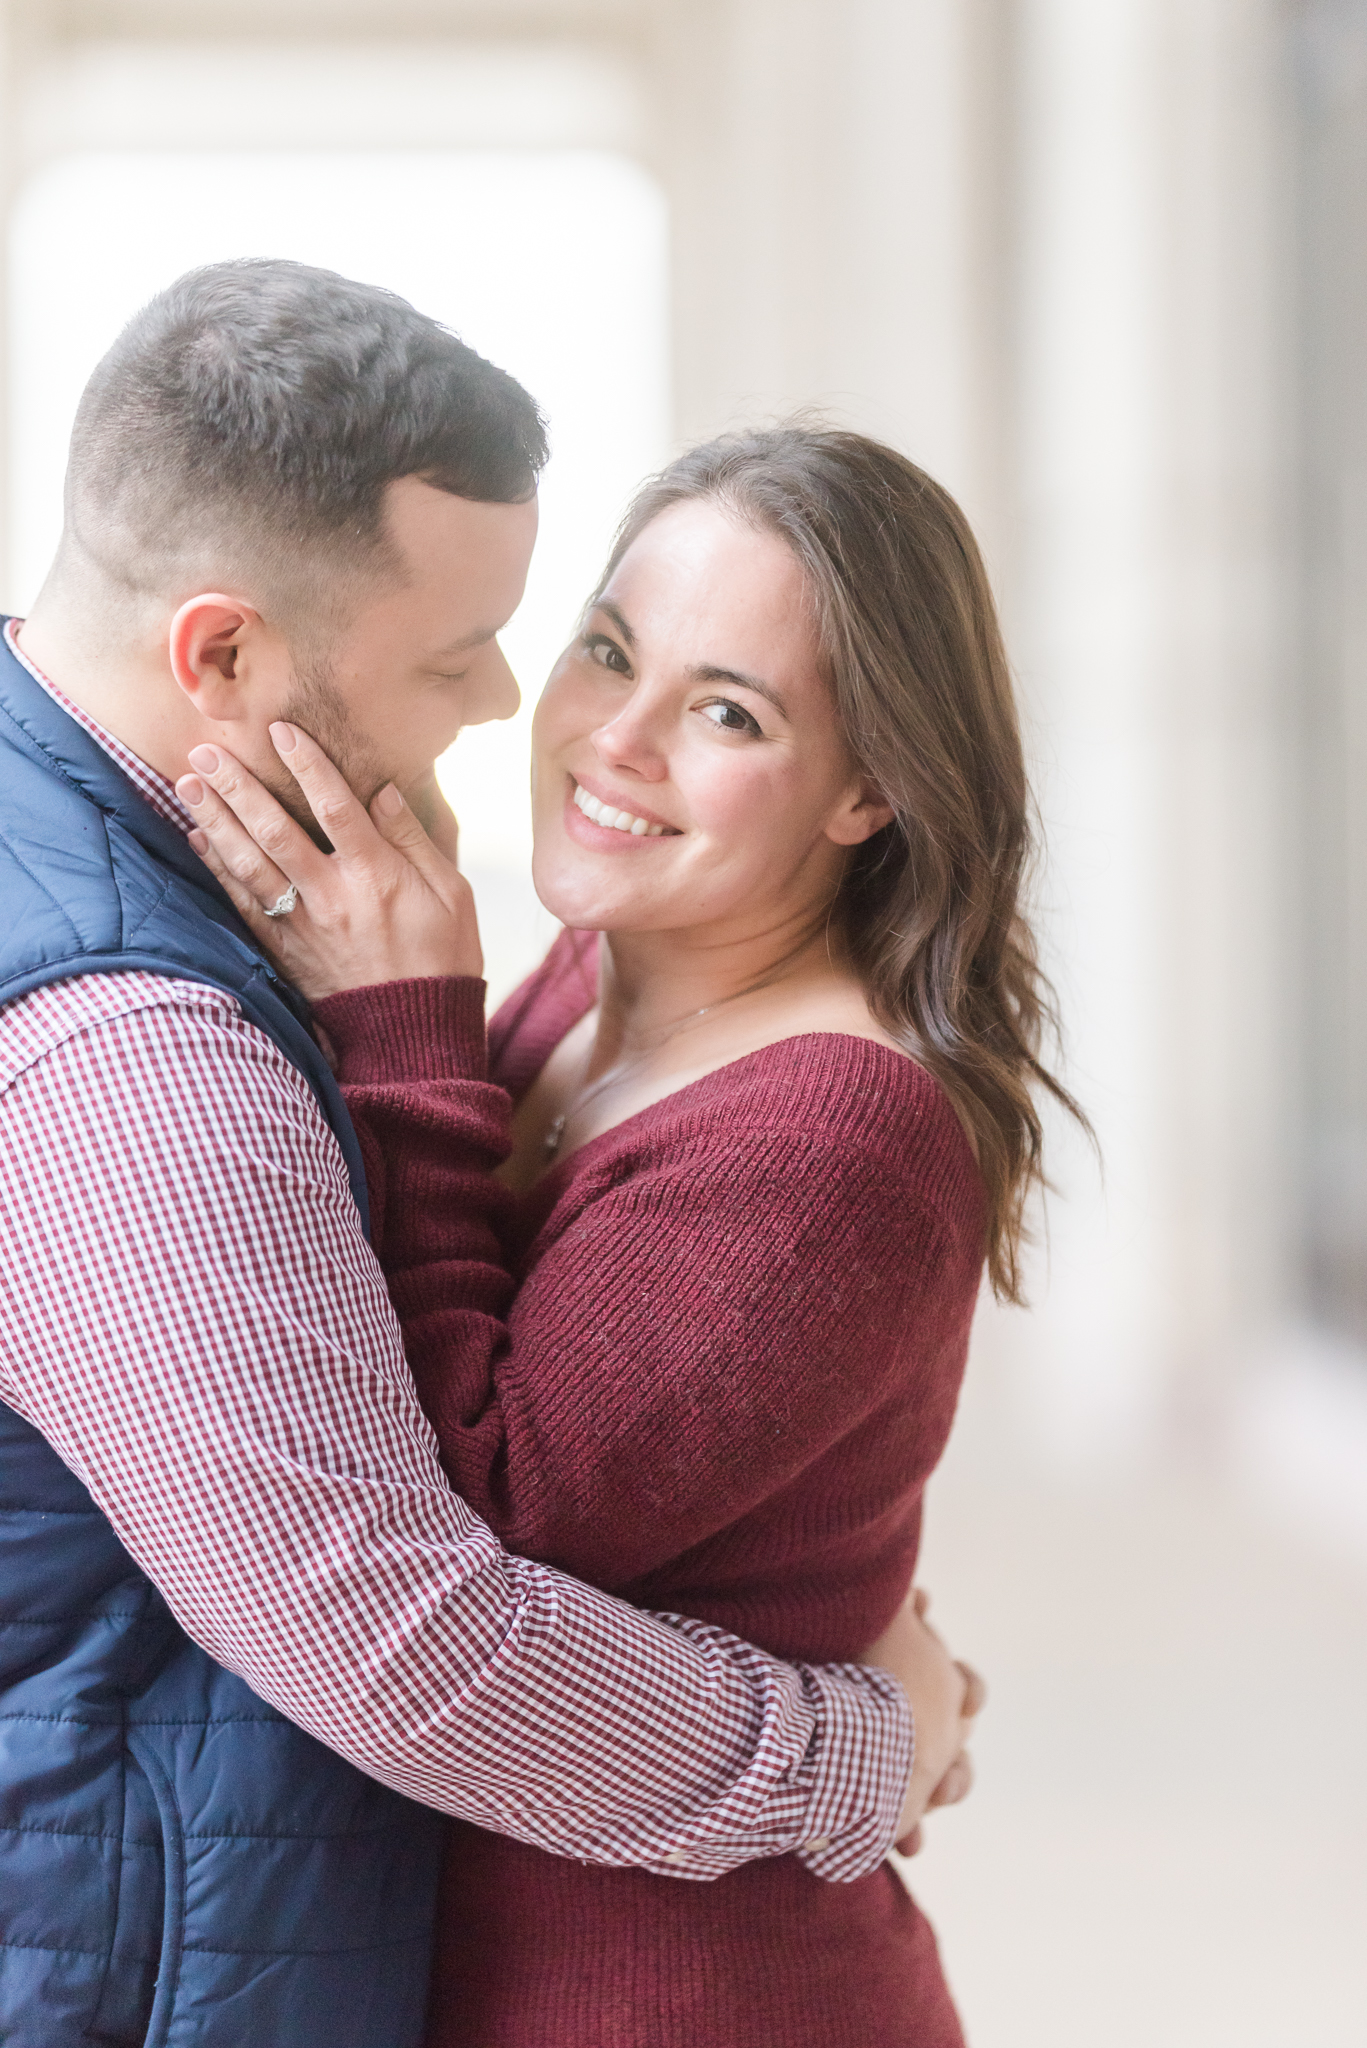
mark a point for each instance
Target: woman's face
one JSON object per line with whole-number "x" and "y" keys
{"x": 688, "y": 765}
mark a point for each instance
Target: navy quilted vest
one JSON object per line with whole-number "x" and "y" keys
{"x": 178, "y": 1864}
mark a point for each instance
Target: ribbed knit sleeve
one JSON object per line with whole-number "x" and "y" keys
{"x": 723, "y": 1292}
{"x": 443, "y": 1122}
{"x": 425, "y": 1030}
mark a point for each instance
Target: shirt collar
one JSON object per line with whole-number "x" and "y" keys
{"x": 152, "y": 786}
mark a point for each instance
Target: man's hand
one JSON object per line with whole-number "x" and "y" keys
{"x": 946, "y": 1697}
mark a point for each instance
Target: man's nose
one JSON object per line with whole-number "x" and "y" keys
{"x": 492, "y": 691}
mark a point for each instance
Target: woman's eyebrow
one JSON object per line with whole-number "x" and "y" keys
{"x": 701, "y": 672}
{"x": 706, "y": 672}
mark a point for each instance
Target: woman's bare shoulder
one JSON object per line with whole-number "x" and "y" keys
{"x": 839, "y": 1007}
{"x": 837, "y": 1011}
{"x": 835, "y": 1073}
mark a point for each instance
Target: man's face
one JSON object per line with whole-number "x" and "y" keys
{"x": 418, "y": 659}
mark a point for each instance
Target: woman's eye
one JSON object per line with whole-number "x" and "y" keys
{"x": 607, "y": 653}
{"x": 730, "y": 717}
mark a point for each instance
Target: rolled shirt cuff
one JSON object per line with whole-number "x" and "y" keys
{"x": 863, "y": 1768}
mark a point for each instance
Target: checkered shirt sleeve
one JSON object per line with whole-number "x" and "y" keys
{"x": 194, "y": 1320}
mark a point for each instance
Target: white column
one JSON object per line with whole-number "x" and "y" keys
{"x": 1147, "y": 630}
{"x": 824, "y": 166}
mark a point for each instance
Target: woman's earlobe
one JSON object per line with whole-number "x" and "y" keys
{"x": 878, "y": 813}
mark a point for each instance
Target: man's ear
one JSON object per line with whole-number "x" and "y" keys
{"x": 863, "y": 811}
{"x": 205, "y": 646}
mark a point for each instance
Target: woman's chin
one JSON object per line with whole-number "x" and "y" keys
{"x": 589, "y": 909}
{"x": 584, "y": 914}
{"x": 572, "y": 898}
{"x": 605, "y": 880}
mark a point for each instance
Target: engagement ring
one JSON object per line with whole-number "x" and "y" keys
{"x": 283, "y": 905}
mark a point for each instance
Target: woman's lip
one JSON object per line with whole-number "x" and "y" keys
{"x": 619, "y": 804}
{"x": 605, "y": 838}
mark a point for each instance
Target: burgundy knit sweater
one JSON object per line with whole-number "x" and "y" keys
{"x": 707, "y": 1363}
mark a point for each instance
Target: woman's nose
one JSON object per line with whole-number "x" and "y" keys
{"x": 491, "y": 689}
{"x": 628, "y": 743}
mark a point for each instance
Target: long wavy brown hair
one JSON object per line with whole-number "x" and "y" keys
{"x": 930, "y": 907}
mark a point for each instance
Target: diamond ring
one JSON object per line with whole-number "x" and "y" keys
{"x": 283, "y": 905}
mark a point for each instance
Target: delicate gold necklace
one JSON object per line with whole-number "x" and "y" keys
{"x": 555, "y": 1131}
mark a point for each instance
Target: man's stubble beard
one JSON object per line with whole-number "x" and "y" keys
{"x": 318, "y": 708}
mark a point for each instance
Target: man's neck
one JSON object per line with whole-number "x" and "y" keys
{"x": 126, "y": 692}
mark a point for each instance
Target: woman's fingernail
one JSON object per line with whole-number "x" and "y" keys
{"x": 284, "y": 736}
{"x": 388, "y": 802}
{"x": 190, "y": 790}
{"x": 199, "y": 841}
{"x": 205, "y": 759}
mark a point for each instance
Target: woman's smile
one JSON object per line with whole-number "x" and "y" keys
{"x": 609, "y": 820}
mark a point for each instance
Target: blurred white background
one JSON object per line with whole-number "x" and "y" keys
{"x": 1101, "y": 266}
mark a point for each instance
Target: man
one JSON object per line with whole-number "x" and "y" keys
{"x": 288, "y": 497}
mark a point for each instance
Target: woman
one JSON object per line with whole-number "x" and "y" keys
{"x": 699, "y": 1336}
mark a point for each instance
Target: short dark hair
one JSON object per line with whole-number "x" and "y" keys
{"x": 267, "y": 405}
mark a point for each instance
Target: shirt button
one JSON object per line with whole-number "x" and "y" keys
{"x": 820, "y": 1842}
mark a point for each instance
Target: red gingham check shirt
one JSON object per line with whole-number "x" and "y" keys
{"x": 193, "y": 1318}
